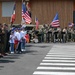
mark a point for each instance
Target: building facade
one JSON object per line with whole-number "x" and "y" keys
{"x": 44, "y": 10}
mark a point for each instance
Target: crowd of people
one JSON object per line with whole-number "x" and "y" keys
{"x": 13, "y": 39}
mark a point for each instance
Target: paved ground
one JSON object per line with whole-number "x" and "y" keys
{"x": 24, "y": 64}
{"x": 60, "y": 60}
{"x": 41, "y": 59}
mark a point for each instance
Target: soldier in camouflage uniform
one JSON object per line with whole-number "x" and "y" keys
{"x": 44, "y": 31}
{"x": 50, "y": 34}
{"x": 64, "y": 35}
{"x": 32, "y": 34}
{"x": 55, "y": 35}
{"x": 42, "y": 35}
{"x": 72, "y": 35}
{"x": 47, "y": 36}
{"x": 69, "y": 34}
{"x": 59, "y": 34}
{"x": 39, "y": 36}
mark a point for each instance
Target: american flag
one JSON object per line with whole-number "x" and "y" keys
{"x": 70, "y": 24}
{"x": 37, "y": 23}
{"x": 25, "y": 14}
{"x": 13, "y": 16}
{"x": 55, "y": 22}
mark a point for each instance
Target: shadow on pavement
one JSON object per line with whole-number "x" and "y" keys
{"x": 40, "y": 46}
{"x": 44, "y": 46}
{"x": 32, "y": 52}
{"x": 1, "y": 67}
{"x": 29, "y": 45}
{"x": 12, "y": 56}
{"x": 6, "y": 61}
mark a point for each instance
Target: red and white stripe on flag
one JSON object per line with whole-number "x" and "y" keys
{"x": 26, "y": 17}
{"x": 13, "y": 16}
{"x": 55, "y": 23}
{"x": 37, "y": 23}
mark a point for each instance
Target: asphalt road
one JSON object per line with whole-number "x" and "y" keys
{"x": 25, "y": 63}
{"x": 60, "y": 60}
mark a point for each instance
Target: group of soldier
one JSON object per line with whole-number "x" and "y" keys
{"x": 50, "y": 34}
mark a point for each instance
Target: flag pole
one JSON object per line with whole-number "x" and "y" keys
{"x": 10, "y": 20}
{"x": 10, "y": 23}
{"x": 21, "y": 14}
{"x": 22, "y": 20}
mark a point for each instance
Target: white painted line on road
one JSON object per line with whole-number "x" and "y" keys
{"x": 60, "y": 55}
{"x": 58, "y": 64}
{"x": 56, "y": 68}
{"x": 57, "y": 58}
{"x": 73, "y": 61}
{"x": 53, "y": 73}
{"x": 56, "y": 50}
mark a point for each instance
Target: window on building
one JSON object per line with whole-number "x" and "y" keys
{"x": 7, "y": 8}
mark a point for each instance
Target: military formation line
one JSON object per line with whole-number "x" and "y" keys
{"x": 49, "y": 34}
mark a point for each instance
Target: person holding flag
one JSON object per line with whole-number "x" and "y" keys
{"x": 55, "y": 24}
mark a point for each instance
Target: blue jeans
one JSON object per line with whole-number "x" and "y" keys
{"x": 19, "y": 47}
{"x": 23, "y": 44}
{"x": 12, "y": 47}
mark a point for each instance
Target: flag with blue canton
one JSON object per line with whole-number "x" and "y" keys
{"x": 55, "y": 22}
{"x": 70, "y": 24}
{"x": 25, "y": 14}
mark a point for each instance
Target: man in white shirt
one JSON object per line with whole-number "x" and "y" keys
{"x": 18, "y": 36}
